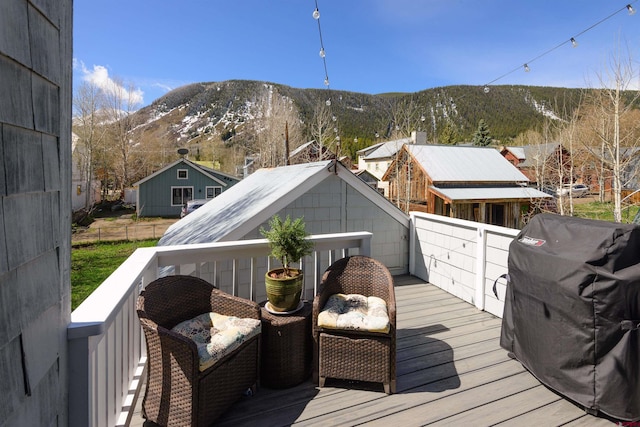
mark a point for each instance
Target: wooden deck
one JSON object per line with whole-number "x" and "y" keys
{"x": 451, "y": 372}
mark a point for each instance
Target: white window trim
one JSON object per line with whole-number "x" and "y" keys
{"x": 206, "y": 190}
{"x": 186, "y": 172}
{"x": 180, "y": 186}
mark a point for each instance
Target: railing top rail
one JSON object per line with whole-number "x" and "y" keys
{"x": 98, "y": 309}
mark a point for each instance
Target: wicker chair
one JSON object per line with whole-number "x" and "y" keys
{"x": 177, "y": 393}
{"x": 356, "y": 355}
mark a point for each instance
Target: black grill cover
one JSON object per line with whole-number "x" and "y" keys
{"x": 572, "y": 310}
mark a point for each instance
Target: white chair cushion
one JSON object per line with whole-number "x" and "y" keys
{"x": 355, "y": 312}
{"x": 217, "y": 335}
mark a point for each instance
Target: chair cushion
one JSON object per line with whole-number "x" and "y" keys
{"x": 355, "y": 312}
{"x": 217, "y": 335}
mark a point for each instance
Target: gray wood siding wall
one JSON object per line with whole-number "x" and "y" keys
{"x": 35, "y": 210}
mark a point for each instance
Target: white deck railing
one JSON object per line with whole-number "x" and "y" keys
{"x": 461, "y": 257}
{"x": 105, "y": 343}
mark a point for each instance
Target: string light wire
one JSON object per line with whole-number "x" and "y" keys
{"x": 323, "y": 55}
{"x": 572, "y": 41}
{"x": 316, "y": 16}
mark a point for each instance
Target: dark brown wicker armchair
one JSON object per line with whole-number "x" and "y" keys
{"x": 177, "y": 393}
{"x": 356, "y": 355}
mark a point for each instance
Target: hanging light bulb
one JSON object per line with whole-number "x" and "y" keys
{"x": 631, "y": 10}
{"x": 328, "y": 102}
{"x": 526, "y": 68}
{"x": 574, "y": 43}
{"x": 486, "y": 89}
{"x": 322, "y": 54}
{"x": 326, "y": 81}
{"x": 334, "y": 118}
{"x": 316, "y": 14}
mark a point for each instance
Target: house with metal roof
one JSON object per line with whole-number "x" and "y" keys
{"x": 329, "y": 197}
{"x": 164, "y": 192}
{"x": 377, "y": 158}
{"x": 473, "y": 183}
{"x": 543, "y": 164}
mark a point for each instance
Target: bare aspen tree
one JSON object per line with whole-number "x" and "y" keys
{"x": 276, "y": 114}
{"x": 120, "y": 103}
{"x": 616, "y": 101}
{"x": 324, "y": 128}
{"x": 406, "y": 117}
{"x": 89, "y": 127}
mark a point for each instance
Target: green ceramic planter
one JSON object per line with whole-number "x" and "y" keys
{"x": 284, "y": 294}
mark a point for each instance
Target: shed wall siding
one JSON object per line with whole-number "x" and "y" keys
{"x": 35, "y": 210}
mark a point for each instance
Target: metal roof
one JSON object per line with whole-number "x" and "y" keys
{"x": 388, "y": 149}
{"x": 454, "y": 163}
{"x": 230, "y": 210}
{"x": 518, "y": 152}
{"x": 490, "y": 193}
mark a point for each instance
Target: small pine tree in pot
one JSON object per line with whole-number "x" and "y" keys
{"x": 288, "y": 242}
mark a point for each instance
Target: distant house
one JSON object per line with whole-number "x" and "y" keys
{"x": 472, "y": 183}
{"x": 367, "y": 177}
{"x": 164, "y": 192}
{"x": 327, "y": 194}
{"x": 377, "y": 158}
{"x": 85, "y": 190}
{"x": 543, "y": 164}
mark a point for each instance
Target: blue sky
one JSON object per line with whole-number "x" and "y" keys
{"x": 372, "y": 46}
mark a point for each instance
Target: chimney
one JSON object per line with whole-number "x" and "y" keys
{"x": 419, "y": 138}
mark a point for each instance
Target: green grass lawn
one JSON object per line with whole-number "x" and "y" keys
{"x": 92, "y": 263}
{"x": 603, "y": 211}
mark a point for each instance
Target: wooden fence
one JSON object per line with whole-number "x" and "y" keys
{"x": 123, "y": 232}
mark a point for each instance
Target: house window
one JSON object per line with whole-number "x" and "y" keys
{"x": 183, "y": 174}
{"x": 213, "y": 192}
{"x": 181, "y": 195}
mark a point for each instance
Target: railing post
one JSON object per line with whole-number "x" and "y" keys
{"x": 79, "y": 396}
{"x": 365, "y": 246}
{"x": 481, "y": 262}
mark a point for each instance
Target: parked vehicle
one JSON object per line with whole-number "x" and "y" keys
{"x": 576, "y": 190}
{"x": 191, "y": 206}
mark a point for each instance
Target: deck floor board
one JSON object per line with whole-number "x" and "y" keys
{"x": 451, "y": 370}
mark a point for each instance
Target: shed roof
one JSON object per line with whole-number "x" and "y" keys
{"x": 255, "y": 199}
{"x": 452, "y": 163}
{"x": 490, "y": 193}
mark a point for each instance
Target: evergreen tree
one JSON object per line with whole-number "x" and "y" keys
{"x": 449, "y": 134}
{"x": 482, "y": 138}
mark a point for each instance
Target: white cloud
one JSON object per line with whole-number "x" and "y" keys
{"x": 164, "y": 87}
{"x": 99, "y": 76}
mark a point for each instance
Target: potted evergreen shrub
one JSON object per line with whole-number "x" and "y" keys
{"x": 288, "y": 243}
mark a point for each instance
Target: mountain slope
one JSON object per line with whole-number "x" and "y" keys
{"x": 228, "y": 120}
